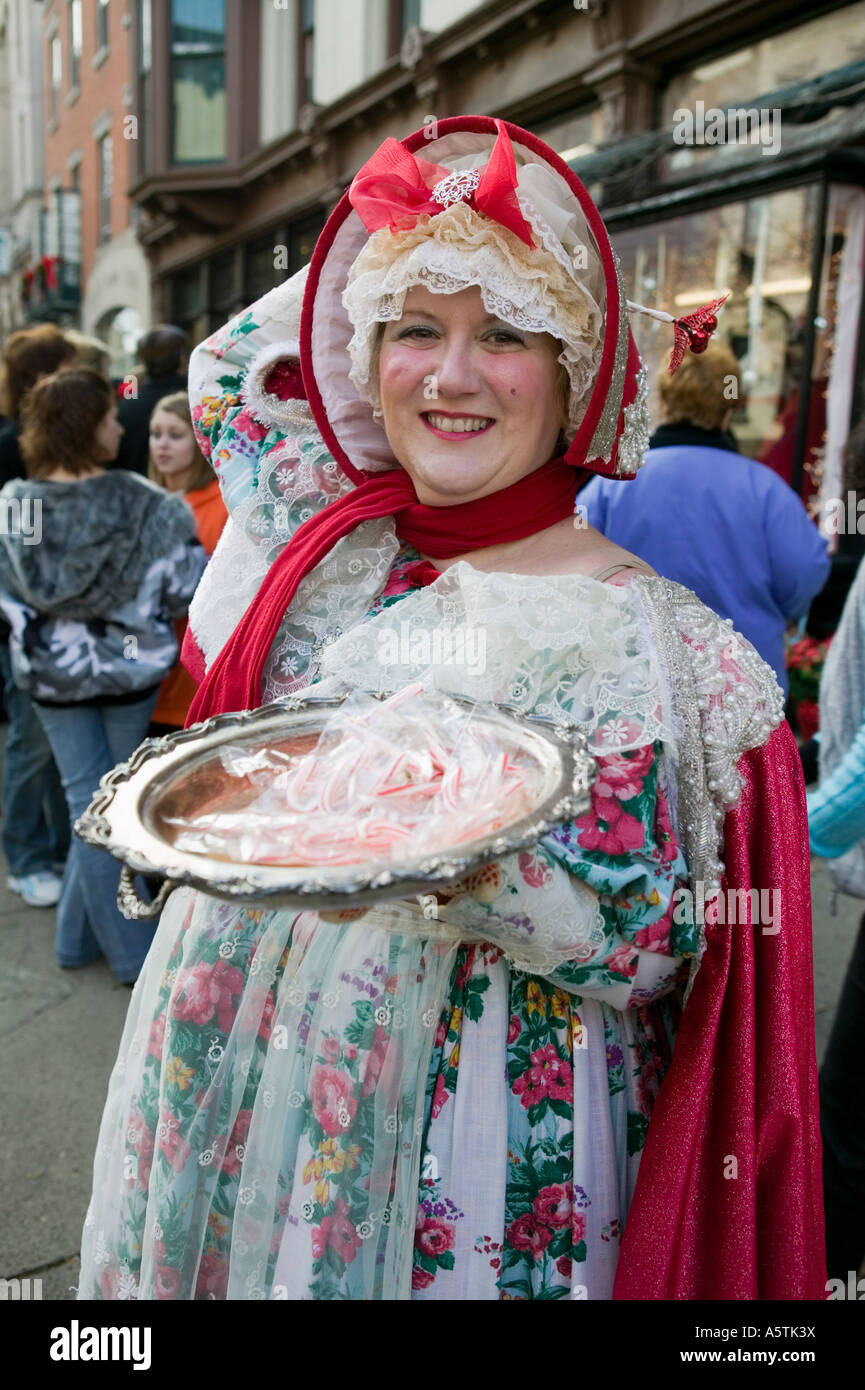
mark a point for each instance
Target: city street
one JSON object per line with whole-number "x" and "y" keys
{"x": 60, "y": 1031}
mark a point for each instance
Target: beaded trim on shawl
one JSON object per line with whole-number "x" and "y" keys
{"x": 728, "y": 701}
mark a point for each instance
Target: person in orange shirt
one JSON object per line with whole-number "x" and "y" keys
{"x": 177, "y": 464}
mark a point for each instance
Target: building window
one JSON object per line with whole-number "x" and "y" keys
{"x": 306, "y": 52}
{"x": 187, "y": 304}
{"x": 410, "y": 17}
{"x": 402, "y": 15}
{"x": 263, "y": 269}
{"x": 261, "y": 274}
{"x": 75, "y": 44}
{"x": 56, "y": 65}
{"x": 574, "y": 133}
{"x": 60, "y": 243}
{"x": 145, "y": 62}
{"x": 21, "y": 181}
{"x": 102, "y": 24}
{"x": 301, "y": 241}
{"x": 222, "y": 283}
{"x": 198, "y": 81}
{"x": 106, "y": 171}
{"x": 69, "y": 230}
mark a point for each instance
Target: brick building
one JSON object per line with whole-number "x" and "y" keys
{"x": 88, "y": 56}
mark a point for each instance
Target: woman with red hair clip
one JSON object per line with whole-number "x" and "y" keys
{"x": 578, "y": 1083}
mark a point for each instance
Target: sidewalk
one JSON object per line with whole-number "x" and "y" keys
{"x": 60, "y": 1031}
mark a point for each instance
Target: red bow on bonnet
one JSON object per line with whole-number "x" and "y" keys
{"x": 395, "y": 187}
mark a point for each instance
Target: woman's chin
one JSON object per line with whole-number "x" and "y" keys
{"x": 447, "y": 483}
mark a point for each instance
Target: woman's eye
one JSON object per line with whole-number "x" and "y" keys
{"x": 417, "y": 330}
{"x": 504, "y": 336}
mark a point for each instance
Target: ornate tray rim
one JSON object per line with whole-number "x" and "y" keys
{"x": 258, "y": 884}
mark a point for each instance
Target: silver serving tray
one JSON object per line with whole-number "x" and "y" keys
{"x": 125, "y": 817}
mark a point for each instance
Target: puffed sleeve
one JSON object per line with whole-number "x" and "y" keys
{"x": 594, "y": 906}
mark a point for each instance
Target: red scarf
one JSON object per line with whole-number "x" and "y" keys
{"x": 532, "y": 504}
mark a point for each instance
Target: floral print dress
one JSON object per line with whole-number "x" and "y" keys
{"x": 528, "y": 1109}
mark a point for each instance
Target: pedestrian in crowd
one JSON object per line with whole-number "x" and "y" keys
{"x": 836, "y": 813}
{"x": 91, "y": 610}
{"x": 720, "y": 524}
{"x": 90, "y": 352}
{"x": 519, "y": 1101}
{"x": 177, "y": 464}
{"x": 824, "y": 617}
{"x": 29, "y": 354}
{"x": 163, "y": 354}
{"x": 35, "y": 826}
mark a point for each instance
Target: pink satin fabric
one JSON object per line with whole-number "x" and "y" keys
{"x": 742, "y": 1084}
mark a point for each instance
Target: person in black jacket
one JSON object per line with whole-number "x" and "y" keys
{"x": 35, "y": 828}
{"x": 163, "y": 352}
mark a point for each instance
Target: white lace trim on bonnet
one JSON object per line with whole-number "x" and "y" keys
{"x": 562, "y": 232}
{"x": 517, "y": 284}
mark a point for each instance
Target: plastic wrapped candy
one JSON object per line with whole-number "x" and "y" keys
{"x": 385, "y": 781}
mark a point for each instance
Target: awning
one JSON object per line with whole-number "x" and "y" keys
{"x": 818, "y": 115}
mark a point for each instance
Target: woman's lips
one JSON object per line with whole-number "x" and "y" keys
{"x": 454, "y": 436}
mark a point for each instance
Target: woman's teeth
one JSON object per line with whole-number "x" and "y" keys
{"x": 458, "y": 425}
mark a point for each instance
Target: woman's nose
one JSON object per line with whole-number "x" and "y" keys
{"x": 457, "y": 370}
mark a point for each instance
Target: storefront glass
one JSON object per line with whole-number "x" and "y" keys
{"x": 573, "y": 134}
{"x": 760, "y": 250}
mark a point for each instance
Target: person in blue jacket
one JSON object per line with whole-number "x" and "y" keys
{"x": 720, "y": 524}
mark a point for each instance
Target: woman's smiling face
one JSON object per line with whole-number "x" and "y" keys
{"x": 469, "y": 404}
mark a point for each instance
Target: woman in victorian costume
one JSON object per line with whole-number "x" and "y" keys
{"x": 593, "y": 1092}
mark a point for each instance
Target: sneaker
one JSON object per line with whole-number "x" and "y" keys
{"x": 37, "y": 890}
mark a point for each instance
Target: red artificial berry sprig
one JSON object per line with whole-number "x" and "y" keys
{"x": 693, "y": 331}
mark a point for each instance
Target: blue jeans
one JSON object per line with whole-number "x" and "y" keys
{"x": 35, "y": 830}
{"x": 89, "y": 741}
